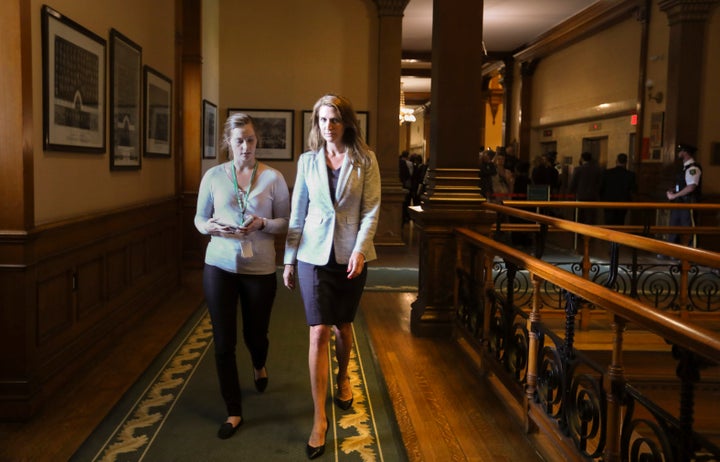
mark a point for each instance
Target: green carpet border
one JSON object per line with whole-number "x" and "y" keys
{"x": 93, "y": 445}
{"x": 112, "y": 427}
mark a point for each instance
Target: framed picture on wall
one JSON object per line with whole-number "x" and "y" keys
{"x": 125, "y": 100}
{"x": 307, "y": 125}
{"x": 657, "y": 120}
{"x": 73, "y": 85}
{"x": 275, "y": 127}
{"x": 209, "y": 130}
{"x": 157, "y": 126}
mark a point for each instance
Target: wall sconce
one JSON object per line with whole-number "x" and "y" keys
{"x": 657, "y": 97}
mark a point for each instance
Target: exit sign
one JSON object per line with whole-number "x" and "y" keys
{"x": 547, "y": 132}
{"x": 595, "y": 127}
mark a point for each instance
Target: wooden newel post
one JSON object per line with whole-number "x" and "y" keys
{"x": 615, "y": 392}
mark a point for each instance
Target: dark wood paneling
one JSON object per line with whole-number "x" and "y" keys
{"x": 54, "y": 306}
{"x": 87, "y": 280}
{"x": 194, "y": 243}
{"x": 117, "y": 272}
{"x": 138, "y": 259}
{"x": 90, "y": 293}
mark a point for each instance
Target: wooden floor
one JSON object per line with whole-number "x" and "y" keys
{"x": 445, "y": 410}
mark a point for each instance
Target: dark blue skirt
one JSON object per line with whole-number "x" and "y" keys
{"x": 328, "y": 295}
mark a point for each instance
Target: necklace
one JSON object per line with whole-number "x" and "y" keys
{"x": 243, "y": 196}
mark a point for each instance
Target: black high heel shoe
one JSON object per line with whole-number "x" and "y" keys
{"x": 344, "y": 404}
{"x": 261, "y": 383}
{"x": 315, "y": 452}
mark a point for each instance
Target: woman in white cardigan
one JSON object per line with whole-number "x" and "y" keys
{"x": 334, "y": 215}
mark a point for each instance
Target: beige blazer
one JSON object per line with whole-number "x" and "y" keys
{"x": 317, "y": 225}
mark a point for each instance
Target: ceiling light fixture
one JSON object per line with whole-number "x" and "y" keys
{"x": 407, "y": 114}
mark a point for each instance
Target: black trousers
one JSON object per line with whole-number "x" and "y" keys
{"x": 256, "y": 294}
{"x": 615, "y": 216}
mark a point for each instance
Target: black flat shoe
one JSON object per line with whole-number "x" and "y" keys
{"x": 261, "y": 383}
{"x": 227, "y": 430}
{"x": 315, "y": 452}
{"x": 344, "y": 404}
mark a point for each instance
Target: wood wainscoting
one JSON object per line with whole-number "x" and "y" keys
{"x": 69, "y": 290}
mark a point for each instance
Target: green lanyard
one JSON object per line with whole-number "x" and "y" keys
{"x": 243, "y": 198}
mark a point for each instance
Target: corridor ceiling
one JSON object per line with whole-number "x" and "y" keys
{"x": 507, "y": 26}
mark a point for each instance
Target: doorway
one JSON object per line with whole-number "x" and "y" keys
{"x": 597, "y": 147}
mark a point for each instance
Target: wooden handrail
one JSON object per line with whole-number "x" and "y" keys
{"x": 614, "y": 205}
{"x": 695, "y": 338}
{"x": 681, "y": 252}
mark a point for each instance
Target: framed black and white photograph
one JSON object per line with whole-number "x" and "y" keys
{"x": 209, "y": 130}
{"x": 307, "y": 125}
{"x": 125, "y": 101}
{"x": 157, "y": 125}
{"x": 275, "y": 127}
{"x": 73, "y": 85}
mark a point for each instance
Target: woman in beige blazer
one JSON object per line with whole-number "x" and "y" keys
{"x": 334, "y": 214}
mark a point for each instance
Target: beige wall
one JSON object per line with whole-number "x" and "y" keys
{"x": 285, "y": 55}
{"x": 594, "y": 80}
{"x": 69, "y": 185}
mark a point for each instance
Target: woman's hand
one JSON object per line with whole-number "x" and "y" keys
{"x": 355, "y": 265}
{"x": 289, "y": 276}
{"x": 215, "y": 228}
{"x": 255, "y": 224}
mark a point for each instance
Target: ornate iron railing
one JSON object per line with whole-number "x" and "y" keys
{"x": 656, "y": 284}
{"x": 501, "y": 297}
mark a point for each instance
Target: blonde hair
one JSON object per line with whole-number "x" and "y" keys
{"x": 237, "y": 120}
{"x": 352, "y": 137}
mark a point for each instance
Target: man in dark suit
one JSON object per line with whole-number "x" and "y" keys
{"x": 585, "y": 184}
{"x": 617, "y": 185}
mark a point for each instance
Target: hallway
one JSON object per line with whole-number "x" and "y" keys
{"x": 441, "y": 402}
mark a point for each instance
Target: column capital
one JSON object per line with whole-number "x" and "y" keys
{"x": 391, "y": 7}
{"x": 687, "y": 10}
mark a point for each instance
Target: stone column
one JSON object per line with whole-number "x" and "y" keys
{"x": 686, "y": 53}
{"x": 527, "y": 69}
{"x": 453, "y": 197}
{"x": 387, "y": 146}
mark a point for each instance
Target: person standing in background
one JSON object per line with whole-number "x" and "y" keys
{"x": 502, "y": 181}
{"x": 418, "y": 178}
{"x": 335, "y": 212}
{"x": 405, "y": 171}
{"x": 617, "y": 184}
{"x": 487, "y": 171}
{"x": 585, "y": 184}
{"x": 687, "y": 190}
{"x": 544, "y": 172}
{"x": 242, "y": 204}
{"x": 520, "y": 189}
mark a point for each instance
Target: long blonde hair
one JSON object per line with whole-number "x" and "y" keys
{"x": 352, "y": 137}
